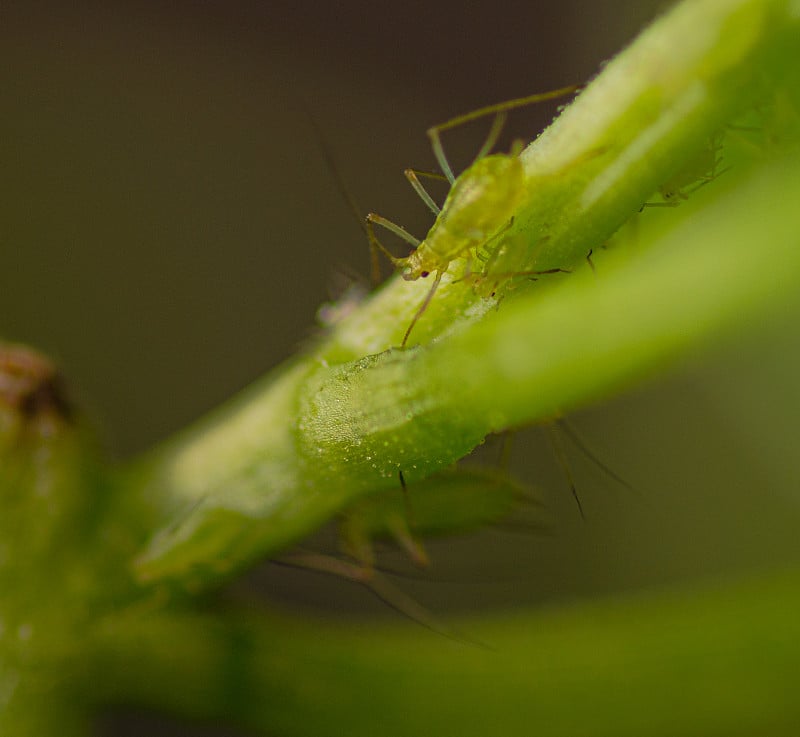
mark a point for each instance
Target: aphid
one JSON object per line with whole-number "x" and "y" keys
{"x": 697, "y": 172}
{"x": 451, "y": 502}
{"x": 480, "y": 203}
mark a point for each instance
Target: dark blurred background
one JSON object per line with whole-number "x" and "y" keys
{"x": 168, "y": 228}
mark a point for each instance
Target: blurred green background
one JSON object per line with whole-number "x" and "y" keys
{"x": 168, "y": 228}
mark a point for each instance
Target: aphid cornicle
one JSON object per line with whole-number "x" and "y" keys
{"x": 481, "y": 201}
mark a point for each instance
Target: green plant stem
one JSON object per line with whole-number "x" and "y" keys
{"x": 723, "y": 663}
{"x": 341, "y": 421}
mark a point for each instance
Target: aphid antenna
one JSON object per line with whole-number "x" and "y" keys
{"x": 413, "y": 176}
{"x": 346, "y": 194}
{"x": 499, "y": 110}
{"x": 333, "y": 167}
{"x": 400, "y": 232}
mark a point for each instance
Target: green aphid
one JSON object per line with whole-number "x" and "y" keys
{"x": 480, "y": 204}
{"x": 451, "y": 502}
{"x": 698, "y": 171}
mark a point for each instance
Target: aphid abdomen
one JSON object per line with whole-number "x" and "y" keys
{"x": 485, "y": 196}
{"x": 482, "y": 200}
{"x": 699, "y": 170}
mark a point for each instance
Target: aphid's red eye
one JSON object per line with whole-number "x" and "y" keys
{"x": 423, "y": 274}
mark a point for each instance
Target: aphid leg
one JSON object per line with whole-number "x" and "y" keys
{"x": 467, "y": 270}
{"x": 423, "y": 306}
{"x": 491, "y": 138}
{"x": 402, "y": 530}
{"x": 543, "y": 271}
{"x": 494, "y": 133}
{"x": 530, "y": 274}
{"x": 434, "y": 133}
{"x": 376, "y": 247}
{"x": 327, "y": 564}
{"x": 710, "y": 177}
{"x": 376, "y": 583}
{"x": 517, "y": 147}
{"x": 438, "y": 152}
{"x": 412, "y": 609}
{"x": 410, "y": 545}
{"x": 356, "y": 543}
{"x": 504, "y": 459}
{"x": 413, "y": 177}
{"x": 590, "y": 262}
{"x": 581, "y": 445}
{"x": 488, "y": 253}
{"x": 406, "y": 498}
{"x": 356, "y": 537}
{"x": 680, "y": 195}
{"x": 561, "y": 457}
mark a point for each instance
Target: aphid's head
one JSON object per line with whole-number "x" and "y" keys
{"x": 413, "y": 269}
